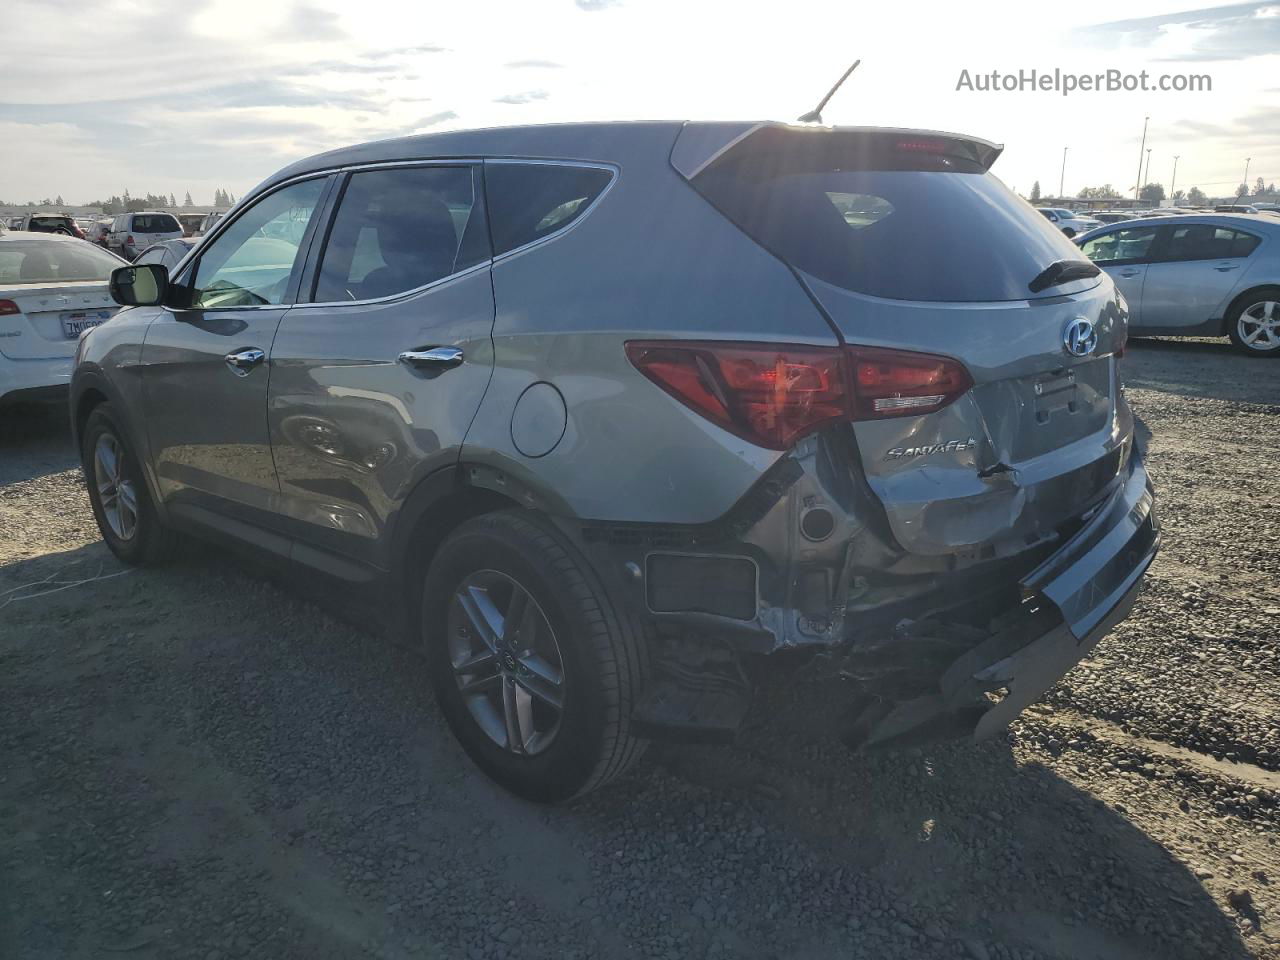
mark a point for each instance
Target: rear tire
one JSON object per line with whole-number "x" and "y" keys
{"x": 122, "y": 505}
{"x": 1253, "y": 323}
{"x": 504, "y": 715}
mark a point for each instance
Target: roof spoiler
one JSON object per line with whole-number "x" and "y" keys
{"x": 699, "y": 145}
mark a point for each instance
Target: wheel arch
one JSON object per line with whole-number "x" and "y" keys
{"x": 1239, "y": 300}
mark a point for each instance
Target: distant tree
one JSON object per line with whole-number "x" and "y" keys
{"x": 1271, "y": 188}
{"x": 1178, "y": 196}
{"x": 173, "y": 201}
{"x": 1242, "y": 190}
{"x": 126, "y": 198}
{"x": 1153, "y": 192}
{"x": 1196, "y": 197}
{"x": 187, "y": 202}
{"x": 46, "y": 202}
{"x": 231, "y": 199}
{"x": 1260, "y": 186}
{"x": 1035, "y": 191}
{"x": 1097, "y": 193}
{"x": 58, "y": 202}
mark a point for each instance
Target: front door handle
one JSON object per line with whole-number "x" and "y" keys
{"x": 242, "y": 361}
{"x": 1224, "y": 267}
{"x": 1128, "y": 273}
{"x": 435, "y": 357}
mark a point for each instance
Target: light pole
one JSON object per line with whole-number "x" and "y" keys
{"x": 1146, "y": 176}
{"x": 1140, "y": 149}
{"x": 1174, "y": 178}
{"x": 1063, "y": 178}
{"x": 1246, "y": 173}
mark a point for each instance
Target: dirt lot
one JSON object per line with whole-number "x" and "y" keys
{"x": 195, "y": 762}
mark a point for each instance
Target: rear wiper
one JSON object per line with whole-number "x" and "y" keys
{"x": 1061, "y": 271}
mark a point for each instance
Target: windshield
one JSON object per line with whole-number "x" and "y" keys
{"x": 903, "y": 234}
{"x": 29, "y": 261}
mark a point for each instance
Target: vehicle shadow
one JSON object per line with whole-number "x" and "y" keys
{"x": 35, "y": 441}
{"x": 1199, "y": 368}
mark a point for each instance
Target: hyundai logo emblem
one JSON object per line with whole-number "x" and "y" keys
{"x": 1079, "y": 338}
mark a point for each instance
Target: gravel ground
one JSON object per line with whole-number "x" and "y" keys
{"x": 196, "y": 762}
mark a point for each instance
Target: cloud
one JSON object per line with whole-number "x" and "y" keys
{"x": 435, "y": 118}
{"x": 529, "y": 96}
{"x": 1233, "y": 32}
{"x": 534, "y": 65}
{"x": 593, "y": 5}
{"x": 308, "y": 23}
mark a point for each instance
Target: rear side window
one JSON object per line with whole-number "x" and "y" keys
{"x": 529, "y": 201}
{"x": 155, "y": 223}
{"x": 400, "y": 229}
{"x": 883, "y": 218}
{"x": 1204, "y": 241}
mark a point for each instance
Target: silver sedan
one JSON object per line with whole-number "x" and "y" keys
{"x": 1209, "y": 275}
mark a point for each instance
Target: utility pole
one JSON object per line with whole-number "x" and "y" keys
{"x": 1146, "y": 177}
{"x": 1138, "y": 185}
{"x": 1174, "y": 178}
{"x": 1246, "y": 171}
{"x": 1062, "y": 179}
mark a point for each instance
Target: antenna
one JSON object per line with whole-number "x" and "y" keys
{"x": 815, "y": 115}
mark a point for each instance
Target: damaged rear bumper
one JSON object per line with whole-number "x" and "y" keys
{"x": 1071, "y": 600}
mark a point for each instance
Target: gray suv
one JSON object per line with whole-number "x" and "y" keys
{"x": 613, "y": 417}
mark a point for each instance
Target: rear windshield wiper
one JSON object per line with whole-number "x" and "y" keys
{"x": 1060, "y": 271}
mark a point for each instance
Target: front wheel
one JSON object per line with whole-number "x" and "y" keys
{"x": 118, "y": 493}
{"x": 533, "y": 669}
{"x": 1254, "y": 323}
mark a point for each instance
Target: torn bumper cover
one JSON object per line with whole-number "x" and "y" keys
{"x": 1071, "y": 600}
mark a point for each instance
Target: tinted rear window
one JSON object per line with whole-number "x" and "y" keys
{"x": 529, "y": 201}
{"x": 889, "y": 224}
{"x": 51, "y": 262}
{"x": 50, "y": 223}
{"x": 155, "y": 223}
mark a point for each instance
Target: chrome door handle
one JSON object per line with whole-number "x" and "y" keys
{"x": 1223, "y": 268}
{"x": 1128, "y": 273}
{"x": 242, "y": 361}
{"x": 434, "y": 357}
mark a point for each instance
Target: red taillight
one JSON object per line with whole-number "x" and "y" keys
{"x": 8, "y": 307}
{"x": 897, "y": 383}
{"x": 128, "y": 240}
{"x": 773, "y": 394}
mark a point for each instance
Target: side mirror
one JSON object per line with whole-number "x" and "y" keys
{"x": 143, "y": 285}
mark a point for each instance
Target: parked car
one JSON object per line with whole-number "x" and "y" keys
{"x": 15, "y": 223}
{"x": 1111, "y": 216}
{"x": 190, "y": 223}
{"x": 131, "y": 233}
{"x": 98, "y": 232}
{"x": 1068, "y": 221}
{"x": 704, "y": 394}
{"x": 1206, "y": 275}
{"x": 52, "y": 289}
{"x": 50, "y": 223}
{"x": 208, "y": 222}
{"x": 169, "y": 253}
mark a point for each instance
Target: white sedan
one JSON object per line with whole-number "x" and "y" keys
{"x": 52, "y": 289}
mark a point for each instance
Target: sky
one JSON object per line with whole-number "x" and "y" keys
{"x": 99, "y": 96}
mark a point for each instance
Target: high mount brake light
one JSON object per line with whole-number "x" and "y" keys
{"x": 924, "y": 146}
{"x": 773, "y": 394}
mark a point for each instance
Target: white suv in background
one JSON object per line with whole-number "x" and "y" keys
{"x": 1068, "y": 221}
{"x": 131, "y": 233}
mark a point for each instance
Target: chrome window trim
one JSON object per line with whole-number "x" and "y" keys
{"x": 404, "y": 294}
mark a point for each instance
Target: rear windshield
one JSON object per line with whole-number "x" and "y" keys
{"x": 889, "y": 225}
{"x": 155, "y": 223}
{"x": 50, "y": 223}
{"x": 51, "y": 262}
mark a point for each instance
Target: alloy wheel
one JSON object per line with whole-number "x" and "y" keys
{"x": 1259, "y": 326}
{"x": 116, "y": 492}
{"x": 506, "y": 662}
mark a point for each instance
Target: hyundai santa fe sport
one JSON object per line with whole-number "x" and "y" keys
{"x": 617, "y": 419}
